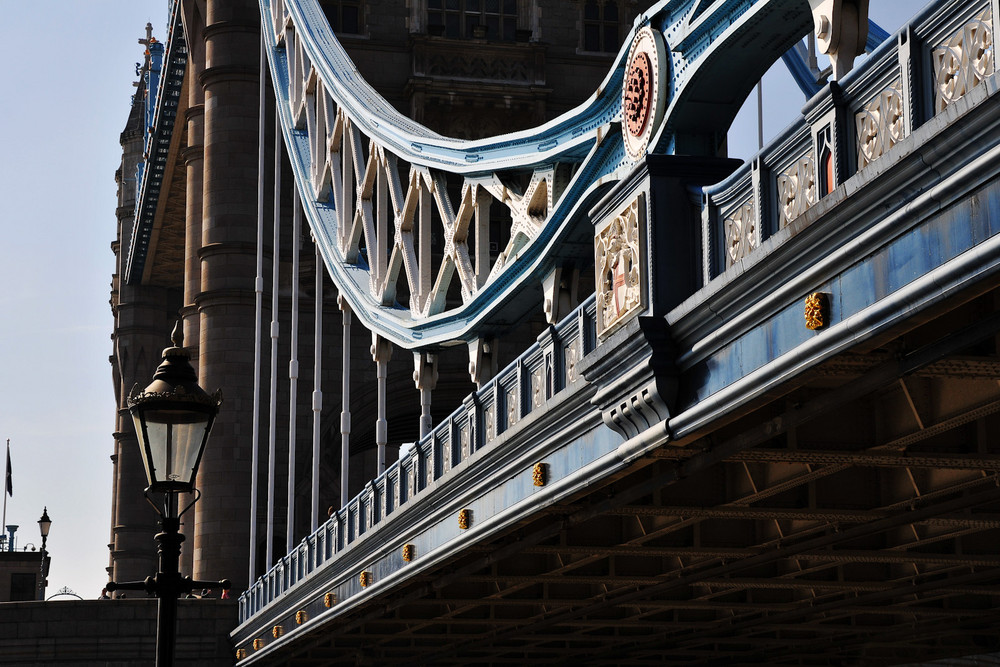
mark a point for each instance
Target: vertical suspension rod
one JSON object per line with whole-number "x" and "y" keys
{"x": 273, "y": 405}
{"x": 381, "y": 426}
{"x": 258, "y": 311}
{"x": 293, "y": 370}
{"x": 317, "y": 397}
{"x": 381, "y": 353}
{"x": 345, "y": 414}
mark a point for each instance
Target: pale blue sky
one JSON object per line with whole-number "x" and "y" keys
{"x": 65, "y": 83}
{"x": 66, "y": 80}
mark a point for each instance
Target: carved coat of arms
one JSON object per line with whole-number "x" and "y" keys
{"x": 619, "y": 263}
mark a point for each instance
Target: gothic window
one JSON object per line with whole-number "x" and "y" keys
{"x": 601, "y": 26}
{"x": 495, "y": 20}
{"x": 344, "y": 15}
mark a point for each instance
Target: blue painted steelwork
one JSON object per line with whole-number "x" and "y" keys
{"x": 150, "y": 88}
{"x": 162, "y": 98}
{"x": 479, "y": 427}
{"x": 898, "y": 237}
{"x": 715, "y": 57}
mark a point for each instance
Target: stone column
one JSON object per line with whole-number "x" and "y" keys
{"x": 228, "y": 269}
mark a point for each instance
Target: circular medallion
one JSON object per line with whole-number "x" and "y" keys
{"x": 643, "y": 96}
{"x": 638, "y": 95}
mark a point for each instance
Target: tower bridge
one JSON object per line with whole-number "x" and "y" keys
{"x": 670, "y": 407}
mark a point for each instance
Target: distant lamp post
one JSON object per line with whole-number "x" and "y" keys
{"x": 173, "y": 417}
{"x": 43, "y": 527}
{"x": 44, "y": 524}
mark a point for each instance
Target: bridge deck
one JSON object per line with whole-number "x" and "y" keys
{"x": 714, "y": 480}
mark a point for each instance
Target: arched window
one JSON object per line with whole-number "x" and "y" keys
{"x": 495, "y": 20}
{"x": 601, "y": 25}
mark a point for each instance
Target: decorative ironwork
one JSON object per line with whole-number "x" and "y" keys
{"x": 619, "y": 254}
{"x": 537, "y": 387}
{"x": 408, "y": 553}
{"x": 241, "y": 653}
{"x": 301, "y": 617}
{"x": 464, "y": 519}
{"x": 963, "y": 61}
{"x": 540, "y": 474}
{"x": 742, "y": 235}
{"x": 880, "y": 124}
{"x": 638, "y": 94}
{"x": 491, "y": 430}
{"x": 465, "y": 441}
{"x": 511, "y": 404}
{"x": 446, "y": 456}
{"x": 329, "y": 600}
{"x": 258, "y": 644}
{"x": 277, "y": 631}
{"x": 816, "y": 310}
{"x": 642, "y": 92}
{"x": 796, "y": 191}
{"x": 571, "y": 356}
{"x": 365, "y": 579}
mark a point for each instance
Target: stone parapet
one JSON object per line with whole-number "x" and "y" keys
{"x": 118, "y": 633}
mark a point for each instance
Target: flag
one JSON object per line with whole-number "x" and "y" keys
{"x": 10, "y": 484}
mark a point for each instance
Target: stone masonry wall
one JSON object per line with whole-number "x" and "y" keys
{"x": 112, "y": 633}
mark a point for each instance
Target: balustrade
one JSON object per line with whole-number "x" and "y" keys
{"x": 451, "y": 443}
{"x": 848, "y": 126}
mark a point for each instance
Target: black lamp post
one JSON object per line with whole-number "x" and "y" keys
{"x": 43, "y": 527}
{"x": 173, "y": 417}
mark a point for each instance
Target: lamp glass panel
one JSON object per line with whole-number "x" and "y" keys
{"x": 141, "y": 434}
{"x": 175, "y": 439}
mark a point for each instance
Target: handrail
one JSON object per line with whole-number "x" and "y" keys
{"x": 545, "y": 369}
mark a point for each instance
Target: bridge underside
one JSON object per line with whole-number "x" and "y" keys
{"x": 850, "y": 518}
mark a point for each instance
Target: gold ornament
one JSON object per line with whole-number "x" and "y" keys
{"x": 816, "y": 309}
{"x": 464, "y": 519}
{"x": 540, "y": 474}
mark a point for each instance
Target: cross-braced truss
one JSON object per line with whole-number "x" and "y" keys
{"x": 416, "y": 225}
{"x": 431, "y": 238}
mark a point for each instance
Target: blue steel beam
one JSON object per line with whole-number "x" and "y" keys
{"x": 714, "y": 54}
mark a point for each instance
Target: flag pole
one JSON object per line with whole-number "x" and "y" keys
{"x": 3, "y": 526}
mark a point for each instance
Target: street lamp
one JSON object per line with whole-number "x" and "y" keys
{"x": 43, "y": 527}
{"x": 173, "y": 417}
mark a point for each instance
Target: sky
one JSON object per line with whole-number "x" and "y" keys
{"x": 65, "y": 88}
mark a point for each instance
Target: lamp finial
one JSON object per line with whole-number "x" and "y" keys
{"x": 177, "y": 336}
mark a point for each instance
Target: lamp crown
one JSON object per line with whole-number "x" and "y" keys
{"x": 177, "y": 335}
